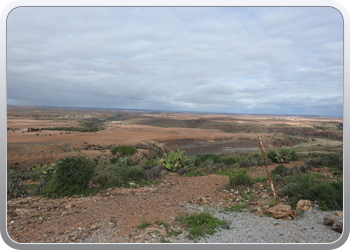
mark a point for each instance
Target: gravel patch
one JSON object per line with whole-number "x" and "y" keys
{"x": 251, "y": 228}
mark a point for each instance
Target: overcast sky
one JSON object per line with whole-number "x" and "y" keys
{"x": 233, "y": 60}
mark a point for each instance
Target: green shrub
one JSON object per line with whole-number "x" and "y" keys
{"x": 114, "y": 160}
{"x": 313, "y": 162}
{"x": 107, "y": 176}
{"x": 328, "y": 195}
{"x": 70, "y": 176}
{"x": 332, "y": 159}
{"x": 150, "y": 163}
{"x": 124, "y": 150}
{"x": 283, "y": 155}
{"x": 174, "y": 161}
{"x": 15, "y": 188}
{"x": 244, "y": 163}
{"x": 228, "y": 160}
{"x": 132, "y": 174}
{"x": 202, "y": 158}
{"x": 155, "y": 172}
{"x": 240, "y": 177}
{"x": 125, "y": 161}
{"x": 280, "y": 170}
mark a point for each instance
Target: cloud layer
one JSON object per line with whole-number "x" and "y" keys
{"x": 238, "y": 60}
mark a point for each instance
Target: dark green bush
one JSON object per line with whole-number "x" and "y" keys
{"x": 313, "y": 162}
{"x": 202, "y": 158}
{"x": 244, "y": 163}
{"x": 283, "y": 155}
{"x": 280, "y": 170}
{"x": 133, "y": 174}
{"x": 240, "y": 177}
{"x": 71, "y": 176}
{"x": 332, "y": 159}
{"x": 307, "y": 186}
{"x": 124, "y": 150}
{"x": 228, "y": 160}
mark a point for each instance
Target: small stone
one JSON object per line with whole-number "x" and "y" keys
{"x": 338, "y": 213}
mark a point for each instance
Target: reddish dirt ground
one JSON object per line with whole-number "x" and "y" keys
{"x": 116, "y": 213}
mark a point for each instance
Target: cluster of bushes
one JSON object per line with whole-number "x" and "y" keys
{"x": 93, "y": 124}
{"x": 79, "y": 175}
{"x": 68, "y": 129}
{"x": 328, "y": 195}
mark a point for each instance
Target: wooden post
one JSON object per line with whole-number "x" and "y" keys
{"x": 267, "y": 169}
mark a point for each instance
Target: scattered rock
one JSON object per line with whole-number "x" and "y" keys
{"x": 338, "y": 213}
{"x": 280, "y": 211}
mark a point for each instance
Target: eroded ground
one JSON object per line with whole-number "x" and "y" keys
{"x": 194, "y": 133}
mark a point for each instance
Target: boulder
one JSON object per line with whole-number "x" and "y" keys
{"x": 304, "y": 205}
{"x": 328, "y": 221}
{"x": 280, "y": 211}
{"x": 338, "y": 226}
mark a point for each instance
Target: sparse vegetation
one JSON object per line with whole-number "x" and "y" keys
{"x": 202, "y": 223}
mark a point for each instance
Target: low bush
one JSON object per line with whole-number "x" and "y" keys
{"x": 124, "y": 150}
{"x": 283, "y": 155}
{"x": 329, "y": 195}
{"x": 202, "y": 158}
{"x": 240, "y": 177}
{"x": 229, "y": 160}
{"x": 70, "y": 176}
{"x": 332, "y": 159}
{"x": 280, "y": 170}
{"x": 313, "y": 162}
{"x": 15, "y": 188}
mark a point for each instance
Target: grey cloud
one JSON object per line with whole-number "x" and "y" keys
{"x": 207, "y": 59}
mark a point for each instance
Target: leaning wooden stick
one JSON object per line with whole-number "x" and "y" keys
{"x": 267, "y": 169}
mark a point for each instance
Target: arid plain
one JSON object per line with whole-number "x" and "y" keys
{"x": 194, "y": 133}
{"x": 114, "y": 215}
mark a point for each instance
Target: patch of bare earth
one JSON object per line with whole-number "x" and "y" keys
{"x": 117, "y": 212}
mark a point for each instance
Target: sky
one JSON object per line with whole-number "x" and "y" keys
{"x": 247, "y": 60}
